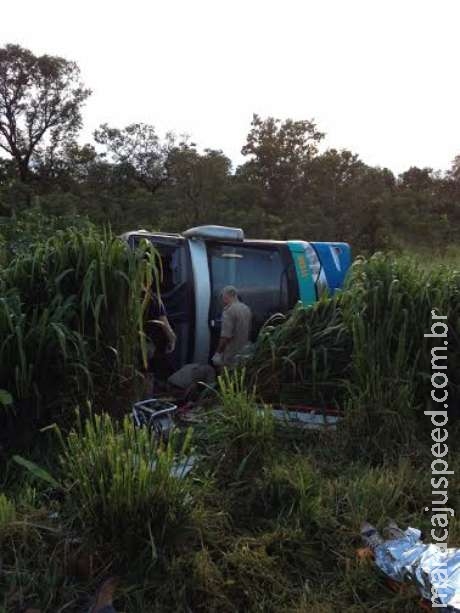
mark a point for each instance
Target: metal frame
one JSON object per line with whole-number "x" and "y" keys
{"x": 202, "y": 285}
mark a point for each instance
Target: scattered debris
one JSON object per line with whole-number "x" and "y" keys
{"x": 404, "y": 558}
{"x": 192, "y": 374}
{"x": 155, "y": 414}
{"x": 182, "y": 469}
{"x": 307, "y": 416}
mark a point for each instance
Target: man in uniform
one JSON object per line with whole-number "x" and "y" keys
{"x": 236, "y": 328}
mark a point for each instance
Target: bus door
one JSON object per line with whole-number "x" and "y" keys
{"x": 176, "y": 290}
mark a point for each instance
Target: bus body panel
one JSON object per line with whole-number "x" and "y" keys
{"x": 306, "y": 281}
{"x": 335, "y": 260}
{"x": 202, "y": 293}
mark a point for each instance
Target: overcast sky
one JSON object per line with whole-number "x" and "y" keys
{"x": 380, "y": 77}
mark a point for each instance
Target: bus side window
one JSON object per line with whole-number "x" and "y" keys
{"x": 256, "y": 272}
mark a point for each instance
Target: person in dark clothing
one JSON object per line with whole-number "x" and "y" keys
{"x": 161, "y": 339}
{"x": 159, "y": 318}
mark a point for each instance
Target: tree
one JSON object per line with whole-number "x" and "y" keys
{"x": 449, "y": 199}
{"x": 370, "y": 215}
{"x": 10, "y": 195}
{"x": 40, "y": 103}
{"x": 66, "y": 168}
{"x": 280, "y": 152}
{"x": 138, "y": 151}
{"x": 454, "y": 173}
{"x": 416, "y": 207}
{"x": 196, "y": 187}
{"x": 344, "y": 200}
{"x": 417, "y": 179}
{"x": 326, "y": 207}
{"x": 7, "y": 174}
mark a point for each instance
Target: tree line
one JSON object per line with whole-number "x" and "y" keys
{"x": 131, "y": 177}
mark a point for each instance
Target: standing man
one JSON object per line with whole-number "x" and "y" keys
{"x": 236, "y": 328}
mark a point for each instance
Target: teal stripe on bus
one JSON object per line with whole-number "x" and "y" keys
{"x": 307, "y": 287}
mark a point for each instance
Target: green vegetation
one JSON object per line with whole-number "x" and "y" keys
{"x": 305, "y": 356}
{"x": 365, "y": 350}
{"x": 71, "y": 322}
{"x": 123, "y": 480}
{"x": 268, "y": 518}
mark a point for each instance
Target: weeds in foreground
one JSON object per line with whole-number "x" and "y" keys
{"x": 266, "y": 522}
{"x": 241, "y": 431}
{"x": 281, "y": 537}
{"x": 126, "y": 482}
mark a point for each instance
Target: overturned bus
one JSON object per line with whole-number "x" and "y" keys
{"x": 271, "y": 277}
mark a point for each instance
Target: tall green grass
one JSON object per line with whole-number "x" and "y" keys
{"x": 240, "y": 432}
{"x": 365, "y": 349}
{"x": 280, "y": 537}
{"x": 304, "y": 357}
{"x": 127, "y": 483}
{"x": 39, "y": 353}
{"x": 71, "y": 316}
{"x": 389, "y": 312}
{"x": 265, "y": 522}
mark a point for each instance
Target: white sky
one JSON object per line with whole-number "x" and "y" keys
{"x": 380, "y": 77}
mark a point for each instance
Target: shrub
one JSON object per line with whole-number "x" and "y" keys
{"x": 365, "y": 350}
{"x": 123, "y": 484}
{"x": 31, "y": 227}
{"x": 241, "y": 432}
{"x": 304, "y": 357}
{"x": 71, "y": 315}
{"x": 388, "y": 312}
